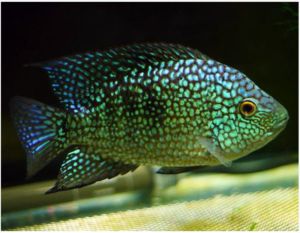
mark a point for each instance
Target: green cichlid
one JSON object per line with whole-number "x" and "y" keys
{"x": 149, "y": 104}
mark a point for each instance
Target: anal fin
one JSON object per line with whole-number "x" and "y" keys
{"x": 82, "y": 167}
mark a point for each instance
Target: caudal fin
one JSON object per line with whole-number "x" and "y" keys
{"x": 40, "y": 129}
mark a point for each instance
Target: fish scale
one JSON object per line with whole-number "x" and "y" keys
{"x": 149, "y": 104}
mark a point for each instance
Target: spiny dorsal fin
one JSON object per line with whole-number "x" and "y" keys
{"x": 82, "y": 167}
{"x": 79, "y": 80}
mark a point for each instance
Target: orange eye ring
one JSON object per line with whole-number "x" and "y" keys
{"x": 247, "y": 108}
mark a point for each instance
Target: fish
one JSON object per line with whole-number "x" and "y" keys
{"x": 153, "y": 104}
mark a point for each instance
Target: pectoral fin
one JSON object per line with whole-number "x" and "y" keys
{"x": 215, "y": 151}
{"x": 82, "y": 167}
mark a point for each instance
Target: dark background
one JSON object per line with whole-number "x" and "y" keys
{"x": 260, "y": 39}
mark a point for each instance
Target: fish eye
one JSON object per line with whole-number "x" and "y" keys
{"x": 247, "y": 108}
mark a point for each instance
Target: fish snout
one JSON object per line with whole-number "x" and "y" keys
{"x": 281, "y": 115}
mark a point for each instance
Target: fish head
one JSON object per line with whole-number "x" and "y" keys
{"x": 252, "y": 118}
{"x": 260, "y": 119}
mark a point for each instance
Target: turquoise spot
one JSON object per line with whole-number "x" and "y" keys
{"x": 233, "y": 93}
{"x": 227, "y": 142}
{"x": 219, "y": 99}
{"x": 165, "y": 82}
{"x": 80, "y": 84}
{"x": 202, "y": 74}
{"x": 221, "y": 69}
{"x": 226, "y": 94}
{"x": 228, "y": 85}
{"x": 196, "y": 95}
{"x": 181, "y": 70}
{"x": 197, "y": 86}
{"x": 249, "y": 86}
{"x": 195, "y": 78}
{"x": 156, "y": 78}
{"x": 217, "y": 106}
{"x": 185, "y": 83}
{"x": 210, "y": 62}
{"x": 75, "y": 152}
{"x": 218, "y": 89}
{"x": 217, "y": 121}
{"x": 224, "y": 110}
{"x": 165, "y": 72}
{"x": 199, "y": 62}
{"x": 233, "y": 134}
{"x": 242, "y": 125}
{"x": 170, "y": 63}
{"x": 194, "y": 68}
{"x": 187, "y": 93}
{"x": 233, "y": 77}
{"x": 172, "y": 75}
{"x": 189, "y": 62}
{"x": 228, "y": 69}
{"x": 190, "y": 77}
{"x": 241, "y": 91}
{"x": 149, "y": 71}
{"x": 221, "y": 138}
{"x": 227, "y": 128}
{"x": 232, "y": 110}
{"x": 187, "y": 70}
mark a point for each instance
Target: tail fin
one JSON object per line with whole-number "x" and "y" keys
{"x": 41, "y": 129}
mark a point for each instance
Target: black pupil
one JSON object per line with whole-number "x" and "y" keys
{"x": 248, "y": 108}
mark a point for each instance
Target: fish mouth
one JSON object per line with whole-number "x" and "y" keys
{"x": 277, "y": 128}
{"x": 281, "y": 124}
{"x": 282, "y": 117}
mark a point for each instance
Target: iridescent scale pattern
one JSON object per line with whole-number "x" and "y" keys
{"x": 147, "y": 104}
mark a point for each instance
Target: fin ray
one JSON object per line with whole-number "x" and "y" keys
{"x": 37, "y": 126}
{"x": 77, "y": 80}
{"x": 215, "y": 151}
{"x": 82, "y": 167}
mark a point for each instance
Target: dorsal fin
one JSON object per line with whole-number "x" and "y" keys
{"x": 79, "y": 80}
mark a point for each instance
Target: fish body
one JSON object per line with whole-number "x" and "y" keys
{"x": 148, "y": 104}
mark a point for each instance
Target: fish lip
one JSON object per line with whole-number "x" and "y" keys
{"x": 282, "y": 123}
{"x": 282, "y": 116}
